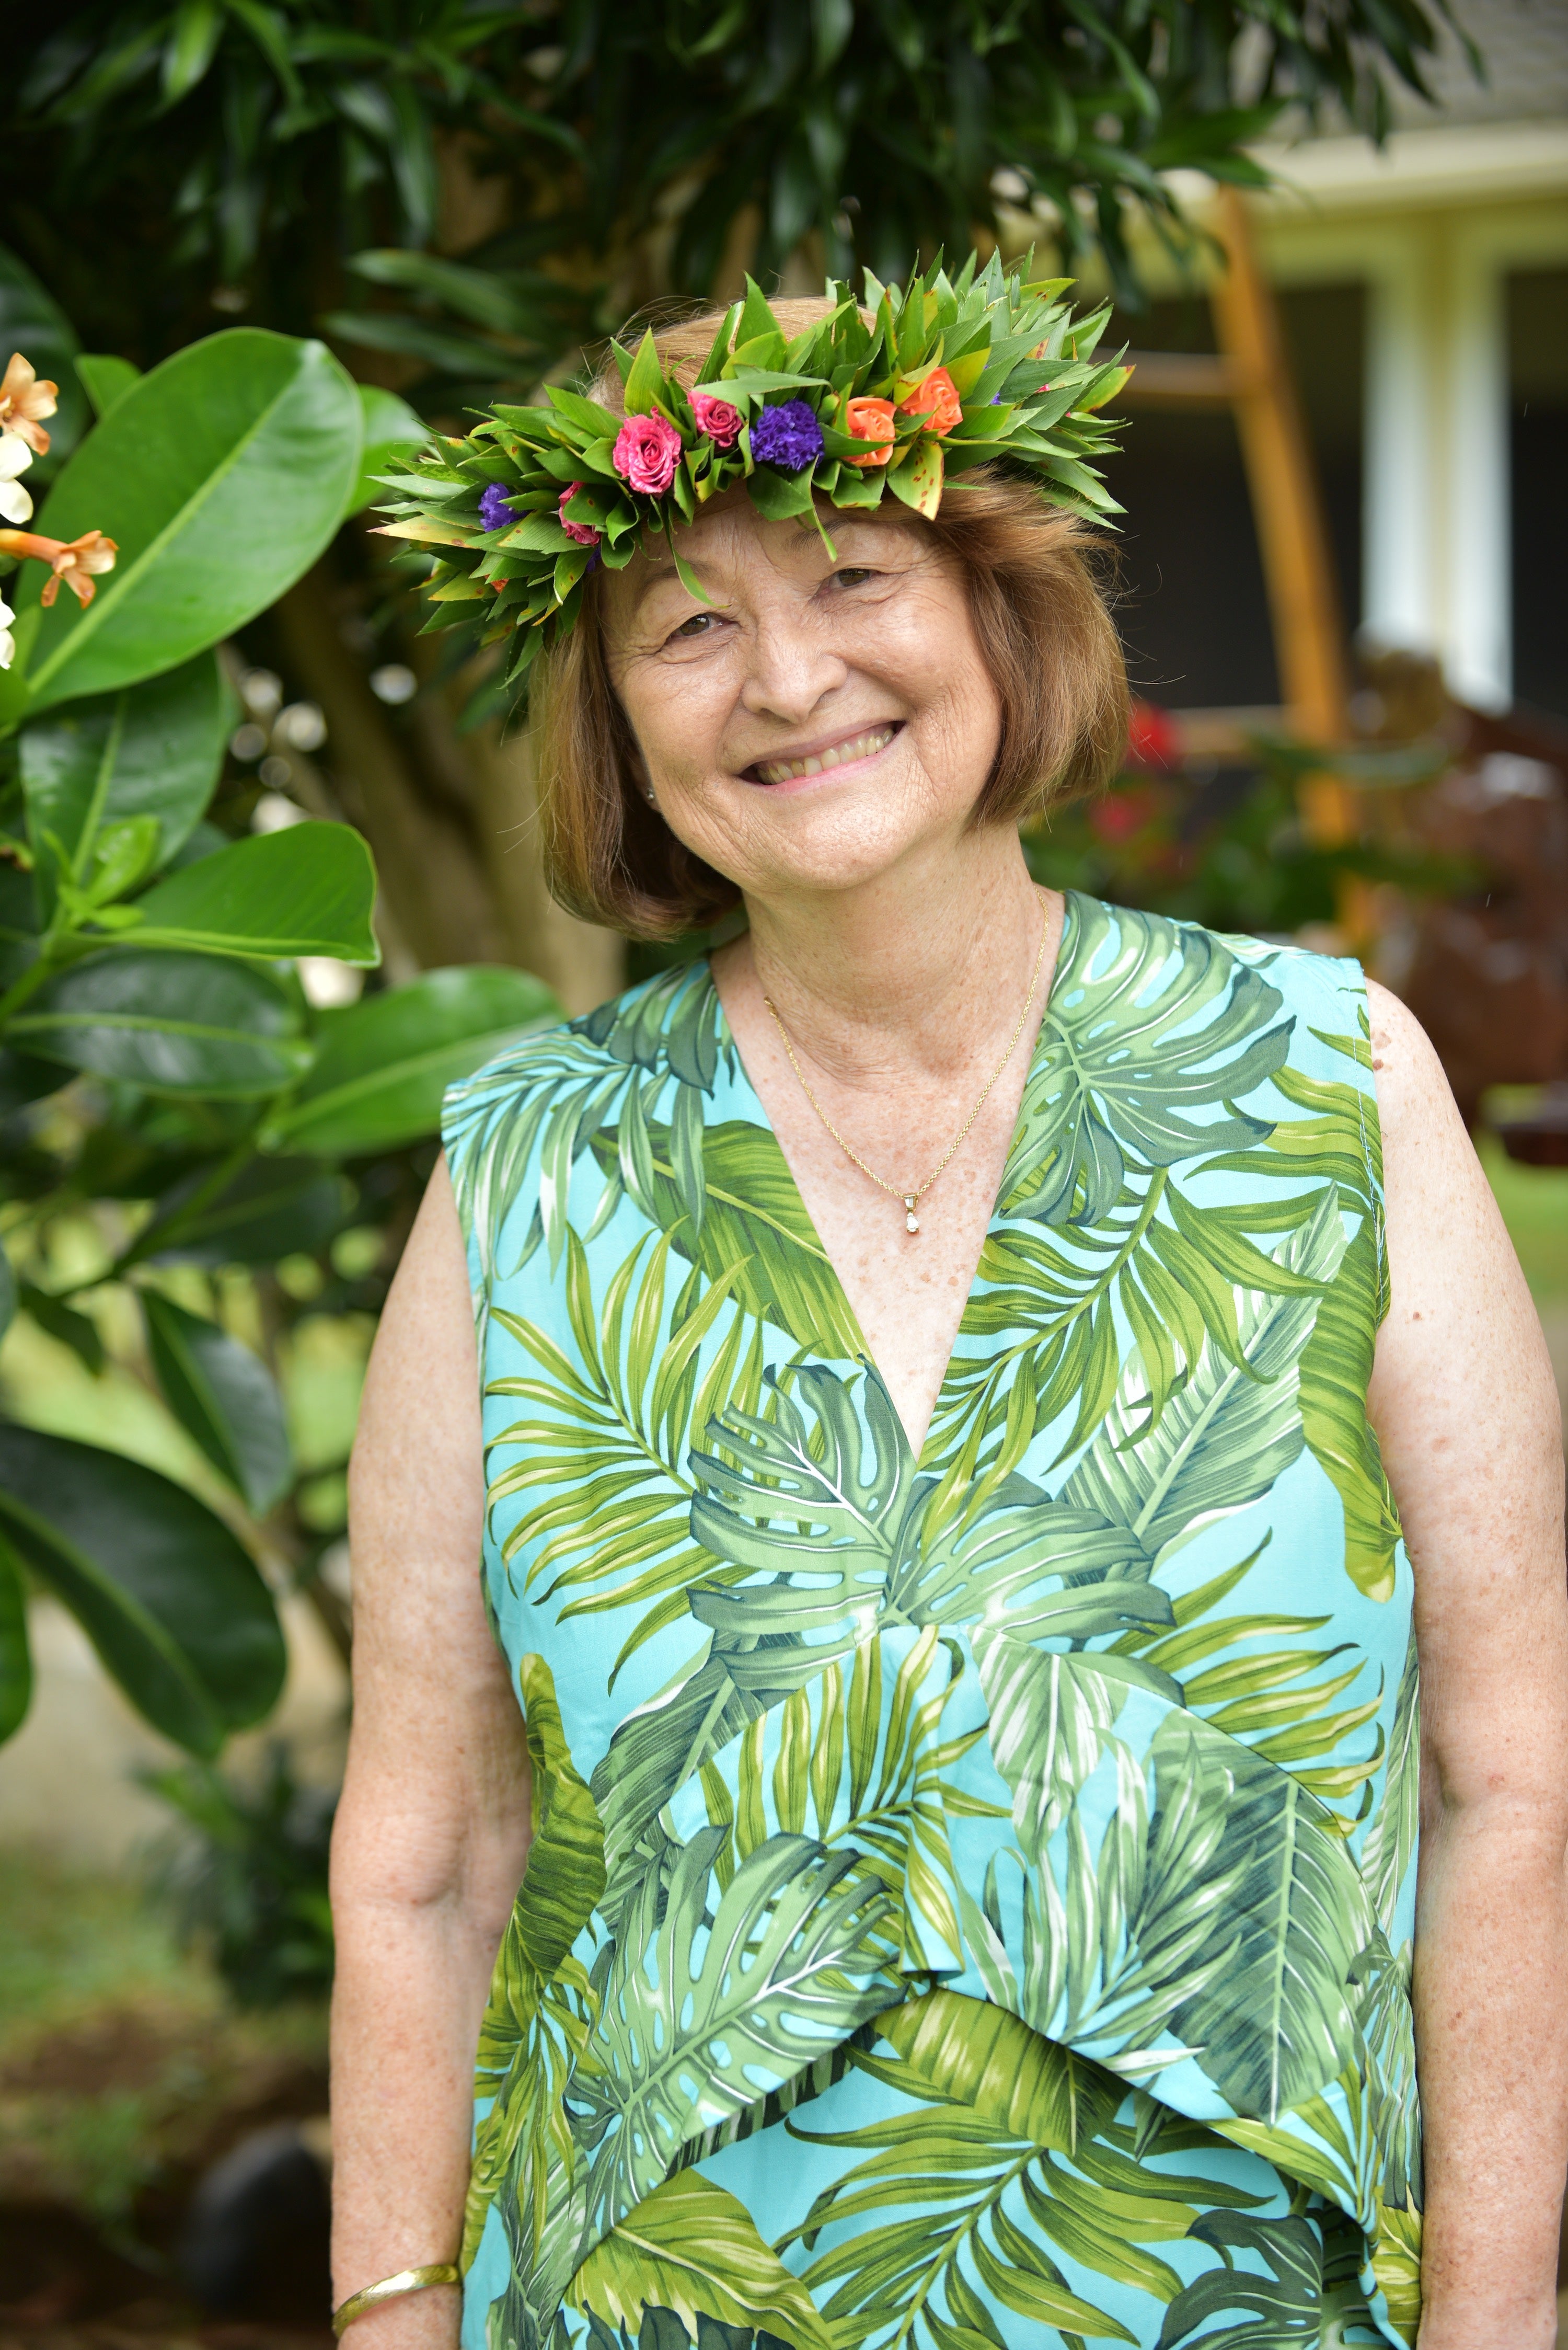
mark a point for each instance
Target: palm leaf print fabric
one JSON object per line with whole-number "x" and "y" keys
{"x": 971, "y": 1899}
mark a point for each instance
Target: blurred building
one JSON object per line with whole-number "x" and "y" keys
{"x": 1423, "y": 295}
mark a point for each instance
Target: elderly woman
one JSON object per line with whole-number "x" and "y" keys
{"x": 987, "y": 1407}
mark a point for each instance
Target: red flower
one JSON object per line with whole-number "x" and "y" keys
{"x": 1115, "y": 819}
{"x": 583, "y": 532}
{"x": 871, "y": 420}
{"x": 1153, "y": 739}
{"x": 936, "y": 402}
{"x": 717, "y": 419}
{"x": 647, "y": 451}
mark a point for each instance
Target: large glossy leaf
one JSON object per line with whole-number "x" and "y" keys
{"x": 306, "y": 890}
{"x": 154, "y": 750}
{"x": 167, "y": 1594}
{"x": 391, "y": 431}
{"x": 385, "y": 1063}
{"x": 271, "y": 1208}
{"x": 8, "y": 1292}
{"x": 16, "y": 1655}
{"x": 221, "y": 476}
{"x": 223, "y": 1395}
{"x": 172, "y": 1022}
{"x": 105, "y": 379}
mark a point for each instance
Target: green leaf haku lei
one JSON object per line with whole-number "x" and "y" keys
{"x": 1018, "y": 365}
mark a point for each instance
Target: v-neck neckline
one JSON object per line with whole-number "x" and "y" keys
{"x": 727, "y": 1038}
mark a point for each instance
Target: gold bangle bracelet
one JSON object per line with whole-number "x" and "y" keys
{"x": 405, "y": 2281}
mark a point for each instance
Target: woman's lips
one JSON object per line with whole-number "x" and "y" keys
{"x": 869, "y": 743}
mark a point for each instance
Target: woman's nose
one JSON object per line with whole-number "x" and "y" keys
{"x": 790, "y": 667}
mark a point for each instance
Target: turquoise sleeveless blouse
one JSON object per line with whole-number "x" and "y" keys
{"x": 972, "y": 1896}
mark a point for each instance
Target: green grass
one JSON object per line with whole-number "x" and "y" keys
{"x": 119, "y": 2053}
{"x": 1535, "y": 1203}
{"x": 71, "y": 1945}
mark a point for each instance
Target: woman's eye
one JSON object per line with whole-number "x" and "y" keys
{"x": 853, "y": 574}
{"x": 697, "y": 626}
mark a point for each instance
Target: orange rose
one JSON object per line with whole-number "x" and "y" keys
{"x": 871, "y": 420}
{"x": 936, "y": 400}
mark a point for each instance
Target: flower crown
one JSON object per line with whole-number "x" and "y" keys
{"x": 950, "y": 373}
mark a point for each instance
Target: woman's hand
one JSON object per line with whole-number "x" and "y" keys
{"x": 1465, "y": 1407}
{"x": 432, "y": 1830}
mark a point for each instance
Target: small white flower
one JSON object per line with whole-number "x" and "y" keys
{"x": 15, "y": 456}
{"x": 7, "y": 641}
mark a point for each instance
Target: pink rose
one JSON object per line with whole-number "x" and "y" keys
{"x": 717, "y": 419}
{"x": 647, "y": 451}
{"x": 583, "y": 532}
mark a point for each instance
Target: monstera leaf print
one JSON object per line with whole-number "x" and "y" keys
{"x": 791, "y": 1497}
{"x": 1290, "y": 2298}
{"x": 699, "y": 2010}
{"x": 692, "y": 2249}
{"x": 1000, "y": 2151}
{"x": 1220, "y": 1905}
{"x": 1146, "y": 1024}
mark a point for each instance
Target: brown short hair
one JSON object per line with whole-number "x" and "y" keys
{"x": 1043, "y": 625}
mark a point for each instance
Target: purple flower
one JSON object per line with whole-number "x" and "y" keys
{"x": 494, "y": 512}
{"x": 788, "y": 436}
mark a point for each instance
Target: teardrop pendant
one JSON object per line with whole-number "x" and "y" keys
{"x": 911, "y": 1222}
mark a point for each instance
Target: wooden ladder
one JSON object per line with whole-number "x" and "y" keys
{"x": 1250, "y": 375}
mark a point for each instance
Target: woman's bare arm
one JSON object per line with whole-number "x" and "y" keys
{"x": 1466, "y": 1409}
{"x": 432, "y": 1830}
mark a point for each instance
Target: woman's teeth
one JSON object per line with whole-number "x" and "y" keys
{"x": 859, "y": 746}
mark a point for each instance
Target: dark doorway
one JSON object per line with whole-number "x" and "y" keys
{"x": 1538, "y": 451}
{"x": 1194, "y": 615}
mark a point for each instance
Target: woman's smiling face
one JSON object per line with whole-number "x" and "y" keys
{"x": 824, "y": 716}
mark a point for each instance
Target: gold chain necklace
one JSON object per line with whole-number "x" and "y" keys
{"x": 911, "y": 1200}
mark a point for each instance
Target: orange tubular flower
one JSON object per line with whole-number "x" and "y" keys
{"x": 936, "y": 402}
{"x": 871, "y": 420}
{"x": 75, "y": 562}
{"x": 24, "y": 401}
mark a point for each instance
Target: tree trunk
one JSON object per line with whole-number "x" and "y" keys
{"x": 450, "y": 817}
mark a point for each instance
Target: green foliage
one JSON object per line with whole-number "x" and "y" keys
{"x": 169, "y": 1596}
{"x": 251, "y": 1882}
{"x": 158, "y": 1051}
{"x": 220, "y": 476}
{"x": 1235, "y": 854}
{"x": 290, "y": 156}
